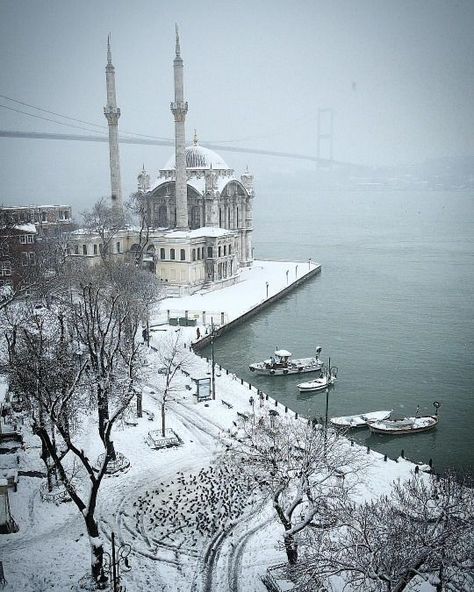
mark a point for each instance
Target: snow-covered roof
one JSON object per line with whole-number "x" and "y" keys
{"x": 198, "y": 157}
{"x": 210, "y": 231}
{"x": 282, "y": 353}
{"x": 30, "y": 228}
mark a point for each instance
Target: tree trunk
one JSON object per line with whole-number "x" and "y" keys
{"x": 97, "y": 551}
{"x": 163, "y": 420}
{"x": 291, "y": 548}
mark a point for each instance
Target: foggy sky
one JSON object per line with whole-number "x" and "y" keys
{"x": 398, "y": 74}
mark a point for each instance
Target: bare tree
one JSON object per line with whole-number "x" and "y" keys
{"x": 98, "y": 321}
{"x": 104, "y": 220}
{"x": 137, "y": 206}
{"x": 173, "y": 359}
{"x": 423, "y": 529}
{"x": 302, "y": 468}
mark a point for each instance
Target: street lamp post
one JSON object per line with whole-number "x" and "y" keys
{"x": 213, "y": 363}
{"x": 296, "y": 272}
{"x": 267, "y": 284}
{"x": 287, "y": 272}
{"x": 116, "y": 562}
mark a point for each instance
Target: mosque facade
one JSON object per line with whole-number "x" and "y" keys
{"x": 198, "y": 213}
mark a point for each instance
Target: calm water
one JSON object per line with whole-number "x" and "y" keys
{"x": 393, "y": 307}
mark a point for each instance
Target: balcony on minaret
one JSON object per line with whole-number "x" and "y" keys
{"x": 179, "y": 107}
{"x": 112, "y": 113}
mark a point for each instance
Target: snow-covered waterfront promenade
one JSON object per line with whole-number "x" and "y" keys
{"x": 258, "y": 285}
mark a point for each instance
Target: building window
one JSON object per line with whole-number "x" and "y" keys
{"x": 209, "y": 251}
{"x": 76, "y": 249}
{"x": 202, "y": 253}
{"x": 194, "y": 254}
{"x": 237, "y": 217}
{"x": 95, "y": 249}
{"x": 162, "y": 216}
{"x": 225, "y": 250}
{"x": 218, "y": 251}
{"x": 162, "y": 253}
{"x": 5, "y": 268}
{"x": 172, "y": 254}
{"x": 84, "y": 249}
{"x": 43, "y": 216}
{"x": 230, "y": 249}
{"x": 26, "y": 239}
{"x": 183, "y": 255}
{"x": 24, "y": 259}
{"x": 32, "y": 257}
{"x": 118, "y": 247}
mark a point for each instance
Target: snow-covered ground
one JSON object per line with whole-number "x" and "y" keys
{"x": 191, "y": 527}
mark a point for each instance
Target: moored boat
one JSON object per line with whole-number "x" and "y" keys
{"x": 324, "y": 381}
{"x": 281, "y": 364}
{"x": 359, "y": 421}
{"x": 407, "y": 425}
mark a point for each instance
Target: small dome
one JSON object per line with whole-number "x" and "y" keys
{"x": 198, "y": 157}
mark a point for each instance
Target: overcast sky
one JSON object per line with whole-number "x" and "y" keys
{"x": 398, "y": 74}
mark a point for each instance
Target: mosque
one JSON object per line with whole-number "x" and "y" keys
{"x": 198, "y": 213}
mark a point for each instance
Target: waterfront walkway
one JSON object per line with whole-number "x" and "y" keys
{"x": 258, "y": 286}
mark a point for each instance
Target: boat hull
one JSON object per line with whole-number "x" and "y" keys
{"x": 359, "y": 421}
{"x": 314, "y": 385}
{"x": 294, "y": 367}
{"x": 401, "y": 428}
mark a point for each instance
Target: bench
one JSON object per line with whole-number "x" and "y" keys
{"x": 228, "y": 405}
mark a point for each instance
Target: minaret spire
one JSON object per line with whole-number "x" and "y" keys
{"x": 112, "y": 114}
{"x": 179, "y": 108}
{"x": 178, "y": 49}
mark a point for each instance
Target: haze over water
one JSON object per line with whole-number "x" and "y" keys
{"x": 392, "y": 307}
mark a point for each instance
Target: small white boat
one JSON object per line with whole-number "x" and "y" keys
{"x": 359, "y": 421}
{"x": 281, "y": 364}
{"x": 407, "y": 425}
{"x": 324, "y": 381}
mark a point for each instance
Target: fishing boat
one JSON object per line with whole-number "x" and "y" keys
{"x": 359, "y": 421}
{"x": 326, "y": 379}
{"x": 281, "y": 364}
{"x": 406, "y": 425}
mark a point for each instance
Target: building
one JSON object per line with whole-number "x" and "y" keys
{"x": 49, "y": 220}
{"x": 198, "y": 213}
{"x": 18, "y": 255}
{"x": 25, "y": 233}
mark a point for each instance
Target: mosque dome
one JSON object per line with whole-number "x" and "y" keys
{"x": 198, "y": 157}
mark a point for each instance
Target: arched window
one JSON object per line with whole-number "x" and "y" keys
{"x": 162, "y": 253}
{"x": 220, "y": 217}
{"x": 237, "y": 217}
{"x": 228, "y": 217}
{"x": 162, "y": 216}
{"x": 182, "y": 255}
{"x": 172, "y": 254}
{"x": 193, "y": 254}
{"x": 195, "y": 217}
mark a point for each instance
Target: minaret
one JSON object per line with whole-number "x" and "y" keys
{"x": 112, "y": 113}
{"x": 179, "y": 109}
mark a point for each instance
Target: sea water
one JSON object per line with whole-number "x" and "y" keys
{"x": 392, "y": 308}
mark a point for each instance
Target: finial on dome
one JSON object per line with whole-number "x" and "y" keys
{"x": 109, "y": 53}
{"x": 195, "y": 139}
{"x": 178, "y": 49}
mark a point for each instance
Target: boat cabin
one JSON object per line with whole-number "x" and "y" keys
{"x": 279, "y": 359}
